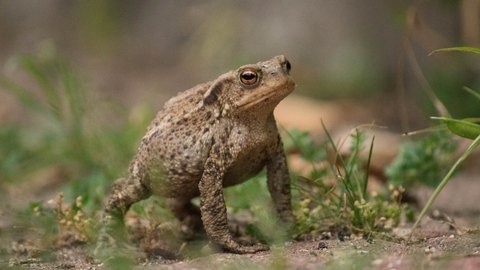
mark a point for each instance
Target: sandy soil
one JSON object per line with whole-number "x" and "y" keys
{"x": 436, "y": 245}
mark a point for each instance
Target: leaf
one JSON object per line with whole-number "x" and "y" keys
{"x": 465, "y": 128}
{"x": 460, "y": 49}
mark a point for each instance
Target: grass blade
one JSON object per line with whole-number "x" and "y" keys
{"x": 367, "y": 172}
{"x": 475, "y": 94}
{"x": 460, "y": 49}
{"x": 45, "y": 84}
{"x": 24, "y": 96}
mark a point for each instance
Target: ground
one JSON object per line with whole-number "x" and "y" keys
{"x": 436, "y": 245}
{"x": 445, "y": 252}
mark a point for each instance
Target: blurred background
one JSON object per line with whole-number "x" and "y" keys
{"x": 80, "y": 81}
{"x": 354, "y": 62}
{"x": 365, "y": 51}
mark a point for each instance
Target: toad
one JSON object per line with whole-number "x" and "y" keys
{"x": 212, "y": 136}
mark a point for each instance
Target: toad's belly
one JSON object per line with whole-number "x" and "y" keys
{"x": 242, "y": 172}
{"x": 179, "y": 177}
{"x": 186, "y": 185}
{"x": 174, "y": 184}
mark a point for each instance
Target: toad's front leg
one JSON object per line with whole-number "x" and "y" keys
{"x": 212, "y": 204}
{"x": 278, "y": 181}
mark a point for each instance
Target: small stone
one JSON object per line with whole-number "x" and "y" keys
{"x": 322, "y": 245}
{"x": 429, "y": 250}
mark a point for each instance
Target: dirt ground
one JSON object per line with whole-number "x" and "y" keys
{"x": 438, "y": 244}
{"x": 441, "y": 252}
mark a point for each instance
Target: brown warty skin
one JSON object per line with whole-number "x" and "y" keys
{"x": 214, "y": 135}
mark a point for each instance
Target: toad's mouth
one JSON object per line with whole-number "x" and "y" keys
{"x": 252, "y": 100}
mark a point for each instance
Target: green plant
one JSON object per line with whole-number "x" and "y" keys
{"x": 338, "y": 197}
{"x": 423, "y": 161}
{"x": 71, "y": 135}
{"x": 444, "y": 181}
{"x": 465, "y": 128}
{"x": 73, "y": 223}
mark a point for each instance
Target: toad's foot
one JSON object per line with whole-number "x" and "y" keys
{"x": 242, "y": 249}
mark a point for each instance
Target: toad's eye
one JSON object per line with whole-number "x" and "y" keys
{"x": 249, "y": 77}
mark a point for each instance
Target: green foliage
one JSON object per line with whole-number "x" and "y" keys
{"x": 70, "y": 136}
{"x": 15, "y": 155}
{"x": 353, "y": 181}
{"x": 252, "y": 198}
{"x": 246, "y": 195}
{"x": 301, "y": 142}
{"x": 444, "y": 181}
{"x": 339, "y": 199}
{"x": 423, "y": 161}
{"x": 463, "y": 128}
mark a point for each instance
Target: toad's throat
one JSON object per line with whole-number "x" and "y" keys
{"x": 253, "y": 100}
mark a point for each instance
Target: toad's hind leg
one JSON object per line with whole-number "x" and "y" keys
{"x": 189, "y": 216}
{"x": 112, "y": 237}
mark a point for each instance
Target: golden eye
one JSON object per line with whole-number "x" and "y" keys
{"x": 249, "y": 77}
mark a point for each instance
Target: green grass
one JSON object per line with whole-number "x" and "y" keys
{"x": 65, "y": 136}
{"x": 335, "y": 198}
{"x": 70, "y": 134}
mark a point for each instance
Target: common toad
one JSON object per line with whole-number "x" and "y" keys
{"x": 214, "y": 135}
